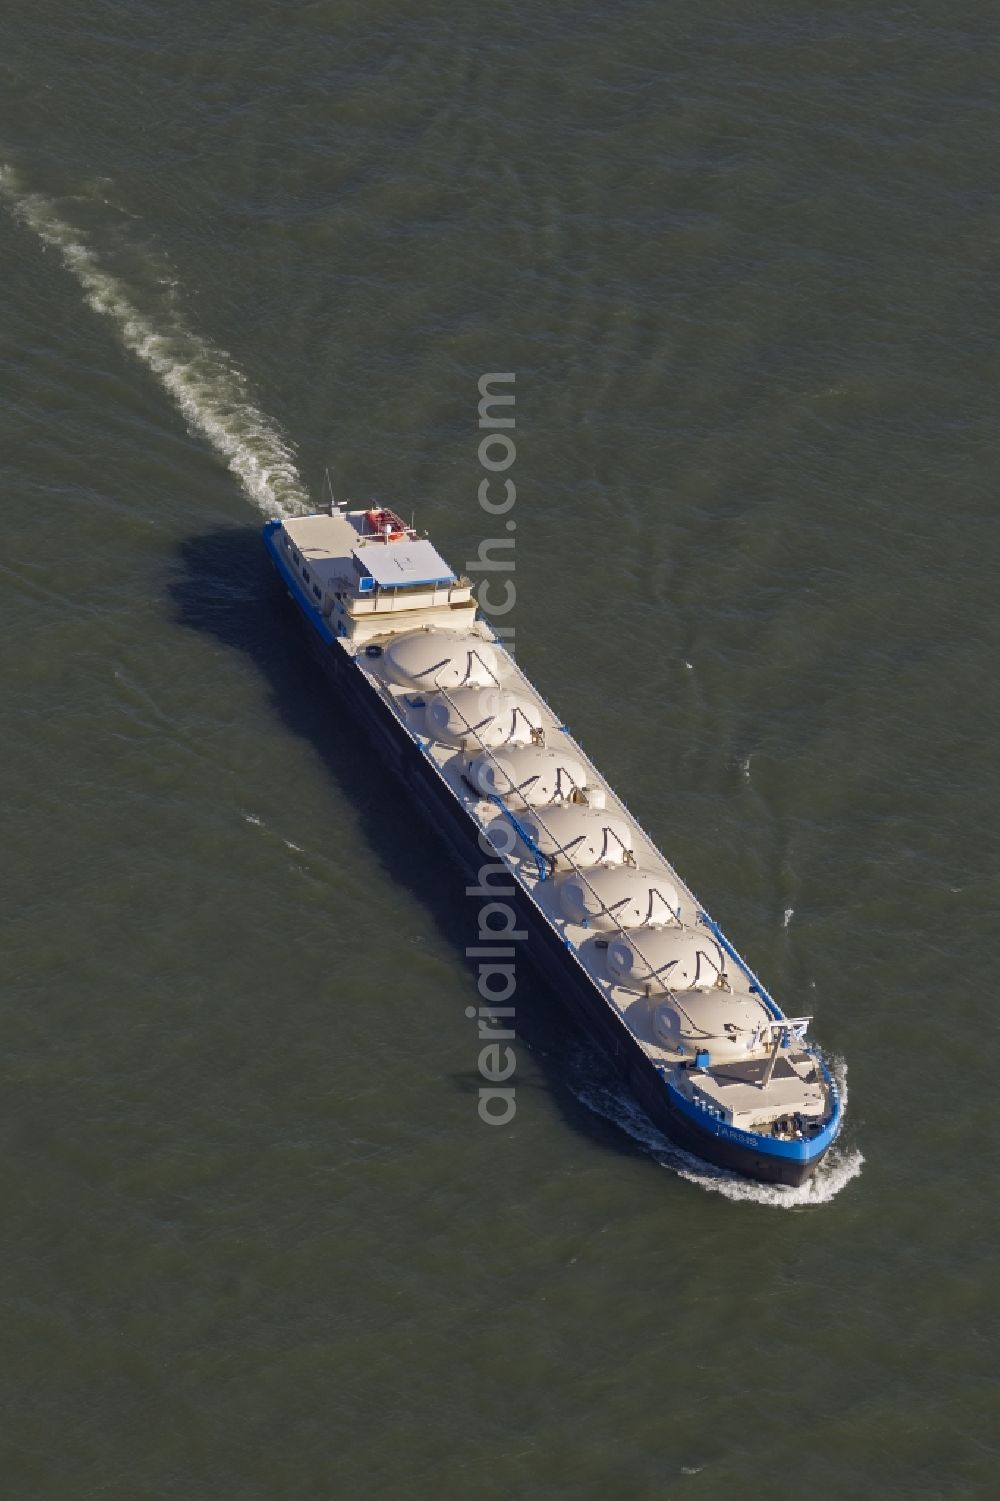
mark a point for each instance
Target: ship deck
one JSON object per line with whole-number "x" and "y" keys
{"x": 329, "y": 551}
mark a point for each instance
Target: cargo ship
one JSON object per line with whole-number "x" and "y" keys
{"x": 647, "y": 973}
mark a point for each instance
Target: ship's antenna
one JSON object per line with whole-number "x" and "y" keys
{"x": 328, "y": 486}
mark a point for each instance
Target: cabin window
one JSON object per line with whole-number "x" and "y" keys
{"x": 306, "y": 575}
{"x": 316, "y": 592}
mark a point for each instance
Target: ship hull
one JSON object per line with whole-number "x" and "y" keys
{"x": 544, "y": 948}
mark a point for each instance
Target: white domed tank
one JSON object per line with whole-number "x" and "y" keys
{"x": 532, "y": 774}
{"x": 619, "y": 897}
{"x": 487, "y": 716}
{"x": 442, "y": 659}
{"x": 665, "y": 959}
{"x": 726, "y": 1024}
{"x": 585, "y": 835}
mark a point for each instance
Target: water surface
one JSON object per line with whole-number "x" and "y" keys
{"x": 258, "y": 1244}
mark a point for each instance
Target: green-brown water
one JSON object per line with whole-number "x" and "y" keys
{"x": 257, "y": 1243}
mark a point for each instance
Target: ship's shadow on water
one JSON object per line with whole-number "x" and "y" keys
{"x": 224, "y": 586}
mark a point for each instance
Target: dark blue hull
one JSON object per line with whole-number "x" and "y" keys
{"x": 693, "y": 1130}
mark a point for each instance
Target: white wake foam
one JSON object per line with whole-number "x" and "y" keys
{"x": 203, "y": 381}
{"x": 838, "y": 1168}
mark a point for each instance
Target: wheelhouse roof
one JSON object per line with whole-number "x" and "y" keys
{"x": 398, "y": 565}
